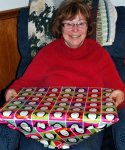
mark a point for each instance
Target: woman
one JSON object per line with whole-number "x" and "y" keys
{"x": 71, "y": 60}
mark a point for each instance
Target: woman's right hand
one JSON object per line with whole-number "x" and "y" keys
{"x": 10, "y": 93}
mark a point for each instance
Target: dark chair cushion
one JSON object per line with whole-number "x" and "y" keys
{"x": 23, "y": 43}
{"x": 117, "y": 50}
{"x": 118, "y": 47}
{"x": 2, "y": 98}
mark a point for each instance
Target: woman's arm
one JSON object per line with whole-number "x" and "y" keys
{"x": 111, "y": 78}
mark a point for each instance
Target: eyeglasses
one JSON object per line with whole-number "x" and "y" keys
{"x": 69, "y": 25}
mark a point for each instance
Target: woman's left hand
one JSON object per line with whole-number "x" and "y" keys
{"x": 118, "y": 95}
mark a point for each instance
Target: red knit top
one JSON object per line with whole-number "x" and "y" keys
{"x": 58, "y": 65}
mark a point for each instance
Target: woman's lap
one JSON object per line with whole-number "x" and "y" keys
{"x": 13, "y": 140}
{"x": 92, "y": 143}
{"x": 118, "y": 131}
{"x": 88, "y": 144}
{"x": 30, "y": 144}
{"x": 9, "y": 139}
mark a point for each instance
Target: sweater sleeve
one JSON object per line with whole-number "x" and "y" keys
{"x": 109, "y": 73}
{"x": 34, "y": 74}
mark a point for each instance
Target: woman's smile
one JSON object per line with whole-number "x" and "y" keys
{"x": 74, "y": 31}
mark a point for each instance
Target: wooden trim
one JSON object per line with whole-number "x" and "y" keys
{"x": 9, "y": 58}
{"x": 9, "y": 14}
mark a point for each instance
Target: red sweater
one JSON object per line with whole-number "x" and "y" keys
{"x": 58, "y": 65}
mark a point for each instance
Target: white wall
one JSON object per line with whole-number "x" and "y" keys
{"x": 12, "y": 4}
{"x": 118, "y": 2}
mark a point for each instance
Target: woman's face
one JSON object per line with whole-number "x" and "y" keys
{"x": 74, "y": 31}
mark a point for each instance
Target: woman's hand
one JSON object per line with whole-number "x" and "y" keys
{"x": 118, "y": 95}
{"x": 10, "y": 93}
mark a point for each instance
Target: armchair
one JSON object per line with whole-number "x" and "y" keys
{"x": 34, "y": 30}
{"x": 33, "y": 34}
{"x": 36, "y": 34}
